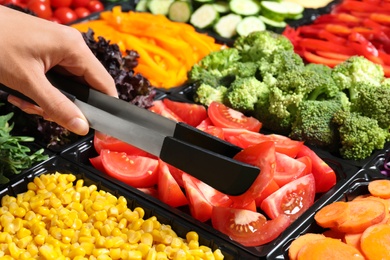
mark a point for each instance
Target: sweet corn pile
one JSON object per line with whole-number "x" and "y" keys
{"x": 57, "y": 219}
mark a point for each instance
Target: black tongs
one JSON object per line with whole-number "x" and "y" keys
{"x": 193, "y": 151}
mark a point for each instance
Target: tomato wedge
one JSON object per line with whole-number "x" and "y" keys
{"x": 261, "y": 155}
{"x": 192, "y": 114}
{"x": 283, "y": 144}
{"x": 292, "y": 199}
{"x": 160, "y": 108}
{"x": 134, "y": 170}
{"x": 247, "y": 227}
{"x": 324, "y": 175}
{"x": 224, "y": 116}
{"x": 168, "y": 189}
{"x": 287, "y": 169}
{"x": 97, "y": 163}
{"x": 202, "y": 198}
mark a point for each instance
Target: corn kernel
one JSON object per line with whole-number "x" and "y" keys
{"x": 135, "y": 255}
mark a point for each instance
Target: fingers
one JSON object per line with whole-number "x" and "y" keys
{"x": 55, "y": 106}
{"x": 25, "y": 106}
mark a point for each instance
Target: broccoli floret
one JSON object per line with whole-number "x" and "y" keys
{"x": 245, "y": 69}
{"x": 355, "y": 70}
{"x": 359, "y": 135}
{"x": 261, "y": 44}
{"x": 325, "y": 86}
{"x": 244, "y": 93}
{"x": 374, "y": 102}
{"x": 313, "y": 122}
{"x": 279, "y": 62}
{"x": 215, "y": 66}
{"x": 205, "y": 94}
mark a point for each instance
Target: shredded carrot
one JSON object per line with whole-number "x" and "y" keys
{"x": 328, "y": 248}
{"x": 165, "y": 47}
{"x": 380, "y": 188}
{"x": 298, "y": 243}
{"x": 375, "y": 242}
{"x": 332, "y": 215}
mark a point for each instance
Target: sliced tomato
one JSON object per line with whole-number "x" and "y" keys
{"x": 177, "y": 174}
{"x": 168, "y": 189}
{"x": 261, "y": 155}
{"x": 247, "y": 227}
{"x": 271, "y": 188}
{"x": 224, "y": 116}
{"x": 324, "y": 175}
{"x": 307, "y": 161}
{"x": 287, "y": 169}
{"x": 134, "y": 170}
{"x": 202, "y": 197}
{"x": 103, "y": 141}
{"x": 283, "y": 144}
{"x": 160, "y": 108}
{"x": 205, "y": 123}
{"x": 200, "y": 207}
{"x": 215, "y": 131}
{"x": 150, "y": 191}
{"x": 97, "y": 163}
{"x": 292, "y": 200}
{"x": 192, "y": 114}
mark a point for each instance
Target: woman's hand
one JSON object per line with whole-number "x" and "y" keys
{"x": 29, "y": 47}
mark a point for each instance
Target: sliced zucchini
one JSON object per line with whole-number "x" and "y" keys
{"x": 159, "y": 6}
{"x": 271, "y": 23}
{"x": 227, "y": 25}
{"x": 204, "y": 17}
{"x": 142, "y": 6}
{"x": 245, "y": 7}
{"x": 250, "y": 24}
{"x": 180, "y": 11}
{"x": 222, "y": 7}
{"x": 276, "y": 11}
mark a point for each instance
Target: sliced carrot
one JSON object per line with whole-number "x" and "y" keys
{"x": 332, "y": 215}
{"x": 375, "y": 242}
{"x": 353, "y": 240}
{"x": 380, "y": 188}
{"x": 363, "y": 213}
{"x": 328, "y": 248}
{"x": 298, "y": 243}
{"x": 334, "y": 234}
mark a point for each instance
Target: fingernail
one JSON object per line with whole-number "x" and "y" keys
{"x": 78, "y": 126}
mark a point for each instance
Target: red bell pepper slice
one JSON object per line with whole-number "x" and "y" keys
{"x": 321, "y": 45}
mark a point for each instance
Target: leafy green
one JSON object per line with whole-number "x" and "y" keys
{"x": 14, "y": 155}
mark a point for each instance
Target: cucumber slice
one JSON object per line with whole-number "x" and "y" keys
{"x": 271, "y": 23}
{"x": 180, "y": 11}
{"x": 204, "y": 17}
{"x": 142, "y": 6}
{"x": 244, "y": 7}
{"x": 159, "y": 6}
{"x": 250, "y": 24}
{"x": 227, "y": 25}
{"x": 294, "y": 10}
{"x": 274, "y": 10}
{"x": 222, "y": 7}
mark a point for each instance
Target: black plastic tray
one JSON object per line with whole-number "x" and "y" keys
{"x": 179, "y": 223}
{"x": 353, "y": 187}
{"x": 81, "y": 153}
